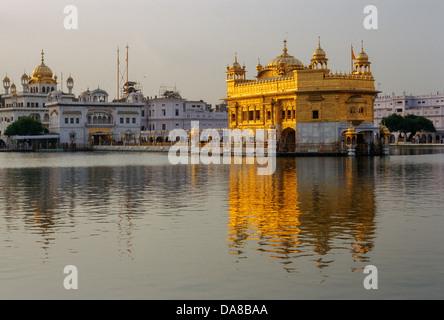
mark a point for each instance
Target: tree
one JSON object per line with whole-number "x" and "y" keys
{"x": 24, "y": 126}
{"x": 393, "y": 122}
{"x": 408, "y": 124}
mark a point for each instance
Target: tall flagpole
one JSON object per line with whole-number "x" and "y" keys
{"x": 351, "y": 47}
{"x": 127, "y": 69}
{"x": 352, "y": 58}
{"x": 118, "y": 74}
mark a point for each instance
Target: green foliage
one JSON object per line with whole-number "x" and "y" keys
{"x": 418, "y": 123}
{"x": 408, "y": 124}
{"x": 24, "y": 126}
{"x": 393, "y": 122}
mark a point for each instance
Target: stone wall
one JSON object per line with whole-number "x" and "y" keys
{"x": 319, "y": 137}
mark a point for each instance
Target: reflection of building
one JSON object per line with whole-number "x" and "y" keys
{"x": 428, "y": 106}
{"x": 34, "y": 209}
{"x": 338, "y": 201}
{"x": 31, "y": 101}
{"x": 310, "y": 107}
{"x": 49, "y": 197}
{"x": 170, "y": 111}
{"x": 265, "y": 209}
{"x": 92, "y": 117}
{"x": 309, "y": 207}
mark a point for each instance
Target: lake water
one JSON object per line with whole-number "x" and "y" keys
{"x": 137, "y": 227}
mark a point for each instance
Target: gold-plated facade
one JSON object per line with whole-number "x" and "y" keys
{"x": 286, "y": 93}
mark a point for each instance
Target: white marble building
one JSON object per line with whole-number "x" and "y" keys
{"x": 31, "y": 100}
{"x": 170, "y": 111}
{"x": 93, "y": 119}
{"x": 429, "y": 106}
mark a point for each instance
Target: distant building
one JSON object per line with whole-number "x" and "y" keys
{"x": 31, "y": 101}
{"x": 429, "y": 106}
{"x": 222, "y": 107}
{"x": 170, "y": 111}
{"x": 92, "y": 119}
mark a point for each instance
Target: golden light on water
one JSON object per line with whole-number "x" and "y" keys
{"x": 309, "y": 206}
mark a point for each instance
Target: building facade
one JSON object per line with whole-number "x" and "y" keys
{"x": 31, "y": 100}
{"x": 310, "y": 107}
{"x": 92, "y": 119}
{"x": 170, "y": 111}
{"x": 429, "y": 106}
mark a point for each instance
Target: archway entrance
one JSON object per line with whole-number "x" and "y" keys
{"x": 429, "y": 138}
{"x": 288, "y": 140}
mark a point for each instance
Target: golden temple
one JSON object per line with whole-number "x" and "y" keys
{"x": 310, "y": 107}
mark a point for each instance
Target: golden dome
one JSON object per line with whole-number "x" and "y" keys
{"x": 42, "y": 71}
{"x": 235, "y": 64}
{"x": 362, "y": 56}
{"x": 42, "y": 74}
{"x": 319, "y": 53}
{"x": 285, "y": 59}
{"x": 6, "y": 79}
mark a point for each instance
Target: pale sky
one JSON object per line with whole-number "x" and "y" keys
{"x": 189, "y": 43}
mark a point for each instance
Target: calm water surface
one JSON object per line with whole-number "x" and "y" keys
{"x": 137, "y": 227}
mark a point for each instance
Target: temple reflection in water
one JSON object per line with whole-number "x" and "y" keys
{"x": 310, "y": 206}
{"x": 139, "y": 227}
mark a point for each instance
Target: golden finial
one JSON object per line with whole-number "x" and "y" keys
{"x": 285, "y": 46}
{"x": 43, "y": 59}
